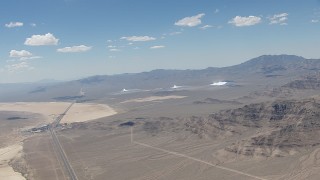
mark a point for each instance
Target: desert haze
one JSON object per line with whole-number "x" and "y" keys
{"x": 159, "y": 90}
{"x": 262, "y": 122}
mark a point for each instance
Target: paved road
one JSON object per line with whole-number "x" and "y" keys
{"x": 59, "y": 118}
{"x": 63, "y": 156}
{"x": 59, "y": 148}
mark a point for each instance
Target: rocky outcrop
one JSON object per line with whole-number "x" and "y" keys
{"x": 278, "y": 128}
{"x": 288, "y": 126}
{"x": 308, "y": 82}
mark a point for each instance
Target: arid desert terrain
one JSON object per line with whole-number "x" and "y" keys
{"x": 264, "y": 125}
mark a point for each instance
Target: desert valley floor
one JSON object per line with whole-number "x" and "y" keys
{"x": 246, "y": 129}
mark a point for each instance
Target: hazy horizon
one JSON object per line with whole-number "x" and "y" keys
{"x": 50, "y": 80}
{"x": 159, "y": 89}
{"x": 79, "y": 38}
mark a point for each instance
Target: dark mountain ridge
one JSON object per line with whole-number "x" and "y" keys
{"x": 265, "y": 64}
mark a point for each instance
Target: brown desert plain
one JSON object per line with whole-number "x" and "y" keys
{"x": 265, "y": 125}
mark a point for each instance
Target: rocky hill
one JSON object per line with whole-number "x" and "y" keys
{"x": 267, "y": 129}
{"x": 284, "y": 127}
{"x": 307, "y": 82}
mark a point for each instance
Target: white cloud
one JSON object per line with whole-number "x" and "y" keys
{"x": 33, "y": 24}
{"x": 19, "y": 54}
{"x": 110, "y": 46}
{"x": 130, "y": 43}
{"x": 18, "y": 67}
{"x": 29, "y": 58}
{"x": 22, "y": 55}
{"x": 206, "y": 27}
{"x": 74, "y": 49}
{"x": 316, "y": 16}
{"x": 41, "y": 40}
{"x": 14, "y": 24}
{"x": 138, "y": 38}
{"x": 279, "y": 19}
{"x": 190, "y": 21}
{"x": 216, "y": 11}
{"x": 157, "y": 47}
{"x": 240, "y": 21}
{"x": 109, "y": 41}
{"x": 114, "y": 50}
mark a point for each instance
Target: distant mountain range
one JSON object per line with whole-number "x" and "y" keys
{"x": 280, "y": 69}
{"x": 266, "y": 65}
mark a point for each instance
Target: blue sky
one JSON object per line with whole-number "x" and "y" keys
{"x": 70, "y": 39}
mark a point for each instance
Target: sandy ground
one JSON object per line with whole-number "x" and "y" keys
{"x": 101, "y": 155}
{"x": 6, "y": 154}
{"x": 86, "y": 112}
{"x": 48, "y": 109}
{"x": 78, "y": 112}
{"x": 153, "y": 98}
{"x": 102, "y": 150}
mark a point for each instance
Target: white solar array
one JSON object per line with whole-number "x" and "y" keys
{"x": 219, "y": 83}
{"x": 175, "y": 87}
